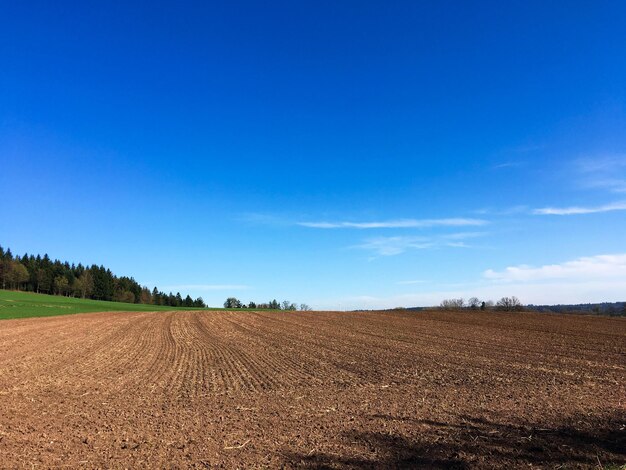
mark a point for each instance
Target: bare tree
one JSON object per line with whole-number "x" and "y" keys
{"x": 305, "y": 308}
{"x": 509, "y": 304}
{"x": 473, "y": 303}
{"x": 452, "y": 304}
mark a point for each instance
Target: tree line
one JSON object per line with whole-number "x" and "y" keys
{"x": 602, "y": 308}
{"x": 42, "y": 275}
{"x": 233, "y": 302}
{"x": 507, "y": 304}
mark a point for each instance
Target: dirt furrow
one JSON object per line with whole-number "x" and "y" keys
{"x": 312, "y": 390}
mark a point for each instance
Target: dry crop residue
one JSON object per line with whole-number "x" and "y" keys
{"x": 312, "y": 390}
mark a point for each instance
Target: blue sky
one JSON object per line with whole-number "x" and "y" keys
{"x": 342, "y": 154}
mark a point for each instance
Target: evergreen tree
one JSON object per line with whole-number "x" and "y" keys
{"x": 42, "y": 275}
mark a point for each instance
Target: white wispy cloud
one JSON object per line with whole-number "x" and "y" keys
{"x": 463, "y": 235}
{"x": 611, "y": 266}
{"x": 600, "y": 278}
{"x": 573, "y": 210}
{"x": 512, "y": 164}
{"x": 547, "y": 292}
{"x": 607, "y": 173}
{"x": 390, "y": 246}
{"x": 399, "y": 223}
{"x": 208, "y": 287}
{"x": 259, "y": 218}
{"x": 601, "y": 164}
{"x": 513, "y": 210}
{"x": 615, "y": 185}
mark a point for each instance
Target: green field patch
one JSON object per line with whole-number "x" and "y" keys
{"x": 28, "y": 304}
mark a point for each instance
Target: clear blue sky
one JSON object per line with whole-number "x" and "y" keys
{"x": 342, "y": 154}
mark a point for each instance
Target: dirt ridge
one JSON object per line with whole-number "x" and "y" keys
{"x": 312, "y": 390}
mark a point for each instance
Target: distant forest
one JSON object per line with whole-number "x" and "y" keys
{"x": 42, "y": 275}
{"x": 602, "y": 308}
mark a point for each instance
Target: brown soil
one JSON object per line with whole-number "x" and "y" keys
{"x": 313, "y": 390}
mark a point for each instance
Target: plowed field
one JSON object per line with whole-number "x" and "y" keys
{"x": 314, "y": 389}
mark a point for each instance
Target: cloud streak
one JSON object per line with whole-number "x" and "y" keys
{"x": 604, "y": 173}
{"x": 606, "y": 164}
{"x": 549, "y": 292}
{"x": 399, "y": 223}
{"x": 600, "y": 278}
{"x": 390, "y": 246}
{"x": 575, "y": 210}
{"x": 615, "y": 185}
{"x": 515, "y": 164}
{"x": 513, "y": 210}
{"x": 592, "y": 267}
